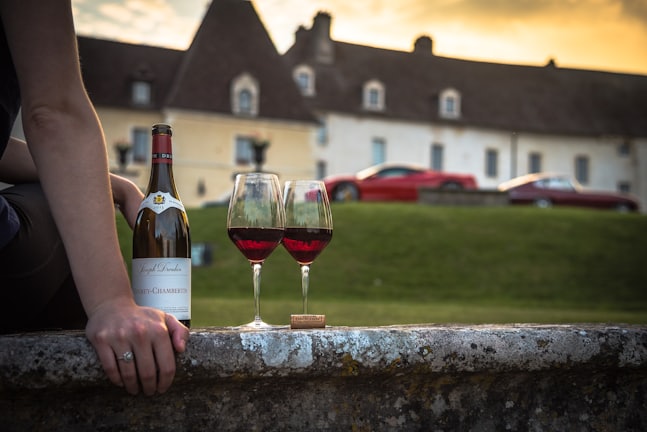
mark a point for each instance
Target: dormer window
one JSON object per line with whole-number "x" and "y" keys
{"x": 373, "y": 96}
{"x": 141, "y": 85}
{"x": 450, "y": 104}
{"x": 304, "y": 76}
{"x": 141, "y": 93}
{"x": 245, "y": 95}
{"x": 245, "y": 101}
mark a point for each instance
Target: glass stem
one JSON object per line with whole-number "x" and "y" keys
{"x": 257, "y": 291}
{"x": 305, "y": 282}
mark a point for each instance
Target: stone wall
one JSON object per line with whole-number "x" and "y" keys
{"x": 428, "y": 378}
{"x": 467, "y": 197}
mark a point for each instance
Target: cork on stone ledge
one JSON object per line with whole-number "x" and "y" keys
{"x": 307, "y": 321}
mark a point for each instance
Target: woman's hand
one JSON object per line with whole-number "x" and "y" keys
{"x": 152, "y": 336}
{"x": 127, "y": 196}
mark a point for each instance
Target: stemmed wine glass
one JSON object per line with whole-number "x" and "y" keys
{"x": 256, "y": 223}
{"x": 308, "y": 225}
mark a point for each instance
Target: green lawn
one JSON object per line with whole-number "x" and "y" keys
{"x": 409, "y": 263}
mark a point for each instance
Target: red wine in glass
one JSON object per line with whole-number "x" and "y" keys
{"x": 256, "y": 244}
{"x": 305, "y": 244}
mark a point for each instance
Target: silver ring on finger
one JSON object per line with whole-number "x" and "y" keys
{"x": 127, "y": 357}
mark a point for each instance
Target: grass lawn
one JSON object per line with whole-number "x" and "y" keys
{"x": 394, "y": 263}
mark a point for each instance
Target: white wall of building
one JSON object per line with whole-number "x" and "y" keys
{"x": 349, "y": 149}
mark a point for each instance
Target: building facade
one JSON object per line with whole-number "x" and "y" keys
{"x": 494, "y": 121}
{"x": 228, "y": 90}
{"x": 328, "y": 107}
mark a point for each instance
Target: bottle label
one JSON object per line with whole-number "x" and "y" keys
{"x": 163, "y": 283}
{"x": 162, "y": 158}
{"x": 162, "y": 153}
{"x": 160, "y": 201}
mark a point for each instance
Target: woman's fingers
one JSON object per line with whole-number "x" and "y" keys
{"x": 126, "y": 362}
{"x": 109, "y": 362}
{"x": 139, "y": 352}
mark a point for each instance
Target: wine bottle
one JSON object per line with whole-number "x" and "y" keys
{"x": 161, "y": 265}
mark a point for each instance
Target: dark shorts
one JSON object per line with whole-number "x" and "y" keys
{"x": 37, "y": 291}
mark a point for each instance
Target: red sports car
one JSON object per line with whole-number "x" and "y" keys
{"x": 546, "y": 190}
{"x": 392, "y": 182}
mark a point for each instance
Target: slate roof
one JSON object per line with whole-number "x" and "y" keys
{"x": 544, "y": 99}
{"x": 109, "y": 69}
{"x": 230, "y": 41}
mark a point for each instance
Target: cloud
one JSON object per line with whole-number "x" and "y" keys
{"x": 579, "y": 33}
{"x": 153, "y": 22}
{"x": 115, "y": 12}
{"x": 635, "y": 10}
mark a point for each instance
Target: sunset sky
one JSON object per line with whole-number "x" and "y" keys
{"x": 609, "y": 35}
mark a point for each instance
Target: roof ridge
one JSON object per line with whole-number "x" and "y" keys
{"x": 231, "y": 40}
{"x": 508, "y": 96}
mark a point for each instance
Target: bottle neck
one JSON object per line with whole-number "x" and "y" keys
{"x": 162, "y": 149}
{"x": 162, "y": 165}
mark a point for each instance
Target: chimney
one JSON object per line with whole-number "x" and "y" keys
{"x": 301, "y": 33}
{"x": 423, "y": 46}
{"x": 322, "y": 47}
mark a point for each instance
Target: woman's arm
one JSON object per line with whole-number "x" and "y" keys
{"x": 68, "y": 149}
{"x": 17, "y": 166}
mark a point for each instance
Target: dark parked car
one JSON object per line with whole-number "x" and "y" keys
{"x": 392, "y": 182}
{"x": 546, "y": 190}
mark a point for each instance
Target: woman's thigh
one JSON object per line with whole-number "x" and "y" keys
{"x": 37, "y": 289}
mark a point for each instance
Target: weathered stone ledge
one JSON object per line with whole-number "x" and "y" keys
{"x": 539, "y": 377}
{"x": 462, "y": 197}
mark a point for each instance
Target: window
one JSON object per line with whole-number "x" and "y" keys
{"x": 582, "y": 169}
{"x": 450, "y": 104}
{"x": 322, "y": 134}
{"x": 395, "y": 172}
{"x": 534, "y": 163}
{"x": 555, "y": 183}
{"x": 437, "y": 156}
{"x": 244, "y": 151}
{"x": 141, "y": 93}
{"x": 322, "y": 169}
{"x": 245, "y": 95}
{"x": 491, "y": 163}
{"x": 202, "y": 188}
{"x": 245, "y": 101}
{"x": 624, "y": 148}
{"x": 379, "y": 150}
{"x": 141, "y": 148}
{"x": 624, "y": 187}
{"x": 373, "y": 96}
{"x": 305, "y": 79}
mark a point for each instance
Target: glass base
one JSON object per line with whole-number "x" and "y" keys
{"x": 259, "y": 324}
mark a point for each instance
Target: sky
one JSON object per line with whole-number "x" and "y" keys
{"x": 608, "y": 35}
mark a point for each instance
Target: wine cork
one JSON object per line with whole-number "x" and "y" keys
{"x": 307, "y": 321}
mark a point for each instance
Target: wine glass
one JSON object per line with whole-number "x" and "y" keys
{"x": 308, "y": 225}
{"x": 255, "y": 224}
